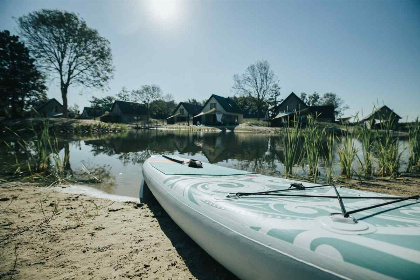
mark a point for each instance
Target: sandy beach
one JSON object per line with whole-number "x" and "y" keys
{"x": 48, "y": 234}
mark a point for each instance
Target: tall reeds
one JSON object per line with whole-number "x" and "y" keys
{"x": 347, "y": 152}
{"x": 366, "y": 137}
{"x": 292, "y": 144}
{"x": 414, "y": 145}
{"x": 313, "y": 138}
{"x": 389, "y": 156}
{"x": 42, "y": 153}
{"x": 329, "y": 158}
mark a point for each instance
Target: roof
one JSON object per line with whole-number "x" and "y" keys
{"x": 192, "y": 109}
{"x": 378, "y": 111}
{"x": 48, "y": 102}
{"x": 322, "y": 112}
{"x": 94, "y": 112}
{"x": 228, "y": 104}
{"x": 288, "y": 97}
{"x": 130, "y": 108}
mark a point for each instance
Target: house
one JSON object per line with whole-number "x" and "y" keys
{"x": 50, "y": 109}
{"x": 291, "y": 104}
{"x": 126, "y": 112}
{"x": 293, "y": 107}
{"x": 184, "y": 112}
{"x": 91, "y": 113}
{"x": 219, "y": 110}
{"x": 380, "y": 116}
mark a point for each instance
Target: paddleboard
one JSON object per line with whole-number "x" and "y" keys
{"x": 262, "y": 227}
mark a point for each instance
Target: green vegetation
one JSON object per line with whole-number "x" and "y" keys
{"x": 329, "y": 158}
{"x": 389, "y": 156}
{"x": 42, "y": 159}
{"x": 313, "y": 138}
{"x": 292, "y": 142}
{"x": 367, "y": 138}
{"x": 414, "y": 146}
{"x": 347, "y": 153}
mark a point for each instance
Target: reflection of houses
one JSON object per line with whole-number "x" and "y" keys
{"x": 184, "y": 112}
{"x": 91, "y": 113}
{"x": 126, "y": 112}
{"x": 220, "y": 110}
{"x": 293, "y": 106}
{"x": 381, "y": 115}
{"x": 50, "y": 109}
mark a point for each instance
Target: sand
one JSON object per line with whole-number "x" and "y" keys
{"x": 48, "y": 234}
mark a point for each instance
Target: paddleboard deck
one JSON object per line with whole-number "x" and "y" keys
{"x": 272, "y": 237}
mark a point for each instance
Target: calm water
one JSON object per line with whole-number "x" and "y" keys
{"x": 117, "y": 160}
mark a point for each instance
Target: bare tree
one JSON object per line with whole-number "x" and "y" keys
{"x": 147, "y": 94}
{"x": 258, "y": 81}
{"x": 65, "y": 47}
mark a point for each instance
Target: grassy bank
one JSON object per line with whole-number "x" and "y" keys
{"x": 60, "y": 126}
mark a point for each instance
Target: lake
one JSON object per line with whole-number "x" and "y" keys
{"x": 116, "y": 160}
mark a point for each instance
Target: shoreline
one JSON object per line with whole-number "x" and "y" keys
{"x": 46, "y": 233}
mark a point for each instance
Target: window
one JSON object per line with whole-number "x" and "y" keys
{"x": 212, "y": 105}
{"x": 181, "y": 111}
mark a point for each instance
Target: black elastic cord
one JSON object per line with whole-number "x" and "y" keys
{"x": 382, "y": 204}
{"x": 173, "y": 159}
{"x": 340, "y": 201}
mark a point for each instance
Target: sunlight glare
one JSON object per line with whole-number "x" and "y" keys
{"x": 164, "y": 9}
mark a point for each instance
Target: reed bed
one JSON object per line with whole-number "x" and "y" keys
{"x": 347, "y": 153}
{"x": 42, "y": 158}
{"x": 367, "y": 138}
{"x": 292, "y": 142}
{"x": 329, "y": 158}
{"x": 387, "y": 148}
{"x": 414, "y": 146}
{"x": 313, "y": 138}
{"x": 309, "y": 144}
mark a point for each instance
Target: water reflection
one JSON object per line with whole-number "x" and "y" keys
{"x": 113, "y": 163}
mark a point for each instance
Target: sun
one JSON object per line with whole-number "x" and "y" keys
{"x": 164, "y": 10}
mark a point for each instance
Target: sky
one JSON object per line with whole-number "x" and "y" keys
{"x": 367, "y": 52}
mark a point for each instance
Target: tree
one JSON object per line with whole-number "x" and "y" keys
{"x": 21, "y": 85}
{"x": 273, "y": 100}
{"x": 195, "y": 101}
{"x": 314, "y": 99}
{"x": 104, "y": 104}
{"x": 257, "y": 81}
{"x": 304, "y": 97}
{"x": 66, "y": 48}
{"x": 147, "y": 94}
{"x": 161, "y": 109}
{"x": 124, "y": 95}
{"x": 330, "y": 98}
{"x": 74, "y": 110}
